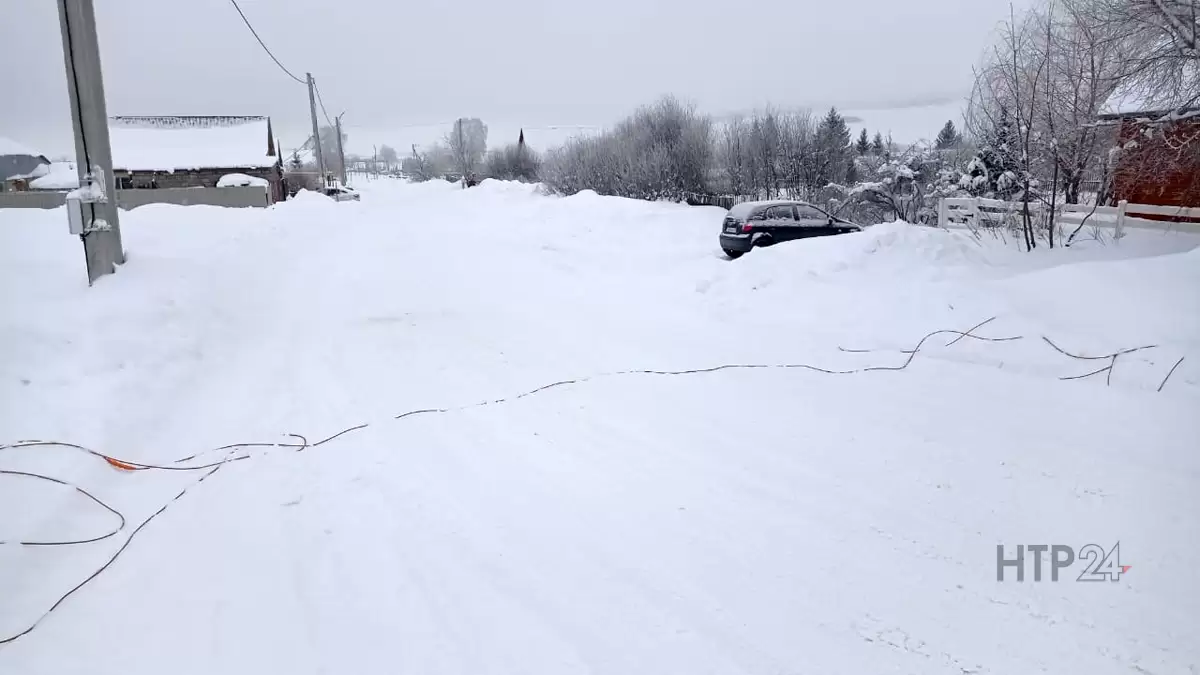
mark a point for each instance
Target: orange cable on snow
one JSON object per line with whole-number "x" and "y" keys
{"x": 119, "y": 464}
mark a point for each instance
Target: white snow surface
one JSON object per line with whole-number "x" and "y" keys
{"x": 732, "y": 521}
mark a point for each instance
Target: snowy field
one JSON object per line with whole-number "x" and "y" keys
{"x": 741, "y": 520}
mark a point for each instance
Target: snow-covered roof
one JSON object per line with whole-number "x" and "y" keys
{"x": 1125, "y": 102}
{"x": 59, "y": 176}
{"x": 1136, "y": 104}
{"x": 187, "y": 142}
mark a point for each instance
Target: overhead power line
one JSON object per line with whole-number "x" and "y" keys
{"x": 318, "y": 90}
{"x": 263, "y": 44}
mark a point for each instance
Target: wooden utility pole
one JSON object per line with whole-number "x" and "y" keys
{"x": 312, "y": 109}
{"x": 93, "y": 208}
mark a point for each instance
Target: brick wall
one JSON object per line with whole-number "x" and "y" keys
{"x": 1159, "y": 163}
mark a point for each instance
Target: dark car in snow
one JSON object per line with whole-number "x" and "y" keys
{"x": 753, "y": 224}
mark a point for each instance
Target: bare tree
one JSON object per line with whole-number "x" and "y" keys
{"x": 426, "y": 165}
{"x": 389, "y": 156}
{"x": 467, "y": 143}
{"x": 732, "y": 159}
{"x": 1083, "y": 71}
{"x": 662, "y": 151}
{"x": 1009, "y": 86}
{"x": 1160, "y": 43}
{"x": 797, "y": 154}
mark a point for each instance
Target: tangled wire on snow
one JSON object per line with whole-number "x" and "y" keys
{"x": 242, "y": 451}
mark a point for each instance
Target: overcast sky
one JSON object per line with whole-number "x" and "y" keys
{"x": 391, "y": 63}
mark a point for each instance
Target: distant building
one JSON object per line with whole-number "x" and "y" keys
{"x": 193, "y": 151}
{"x": 18, "y": 165}
{"x": 59, "y": 176}
{"x": 1158, "y": 157}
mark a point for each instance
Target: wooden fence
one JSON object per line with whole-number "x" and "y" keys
{"x": 984, "y": 214}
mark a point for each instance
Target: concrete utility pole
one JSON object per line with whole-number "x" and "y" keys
{"x": 94, "y": 215}
{"x": 462, "y": 154}
{"x": 312, "y": 109}
{"x": 337, "y": 127}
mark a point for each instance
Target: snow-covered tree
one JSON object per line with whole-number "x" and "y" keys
{"x": 898, "y": 186}
{"x": 388, "y": 154}
{"x": 948, "y": 137}
{"x": 994, "y": 168}
{"x": 832, "y": 148}
{"x": 662, "y": 151}
{"x": 467, "y": 143}
{"x": 877, "y": 147}
{"x": 863, "y": 146}
{"x": 329, "y": 147}
{"x": 428, "y": 164}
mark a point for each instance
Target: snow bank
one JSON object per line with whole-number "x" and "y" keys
{"x": 890, "y": 249}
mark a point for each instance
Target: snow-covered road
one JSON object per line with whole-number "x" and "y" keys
{"x": 757, "y": 520}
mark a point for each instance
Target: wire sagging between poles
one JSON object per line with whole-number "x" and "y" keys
{"x": 264, "y": 45}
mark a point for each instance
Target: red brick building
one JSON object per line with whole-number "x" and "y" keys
{"x": 1158, "y": 157}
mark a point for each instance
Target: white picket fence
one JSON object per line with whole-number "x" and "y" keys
{"x": 982, "y": 214}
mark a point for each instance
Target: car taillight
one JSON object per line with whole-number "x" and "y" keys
{"x": 746, "y": 227}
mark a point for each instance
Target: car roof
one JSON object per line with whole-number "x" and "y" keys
{"x": 746, "y": 208}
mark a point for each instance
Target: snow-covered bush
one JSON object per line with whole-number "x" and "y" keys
{"x": 512, "y": 162}
{"x": 426, "y": 165}
{"x": 905, "y": 185}
{"x": 662, "y": 151}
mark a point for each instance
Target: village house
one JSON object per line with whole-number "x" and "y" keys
{"x": 19, "y": 165}
{"x": 193, "y": 151}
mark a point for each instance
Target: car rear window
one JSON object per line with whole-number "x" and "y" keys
{"x": 743, "y": 210}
